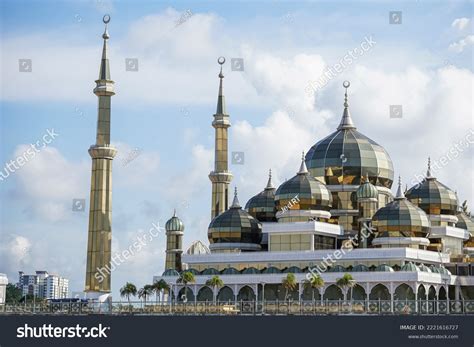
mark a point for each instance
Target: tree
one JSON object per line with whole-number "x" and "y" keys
{"x": 215, "y": 282}
{"x": 145, "y": 292}
{"x": 315, "y": 282}
{"x": 13, "y": 294}
{"x": 159, "y": 286}
{"x": 346, "y": 282}
{"x": 185, "y": 278}
{"x": 289, "y": 283}
{"x": 128, "y": 290}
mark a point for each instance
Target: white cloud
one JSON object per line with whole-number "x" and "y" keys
{"x": 462, "y": 44}
{"x": 460, "y": 23}
{"x": 48, "y": 183}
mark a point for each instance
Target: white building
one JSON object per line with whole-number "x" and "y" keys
{"x": 44, "y": 285}
{"x": 3, "y": 288}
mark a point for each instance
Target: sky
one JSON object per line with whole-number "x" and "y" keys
{"x": 419, "y": 58}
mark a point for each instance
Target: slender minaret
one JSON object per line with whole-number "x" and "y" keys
{"x": 221, "y": 176}
{"x": 100, "y": 214}
{"x": 174, "y": 243}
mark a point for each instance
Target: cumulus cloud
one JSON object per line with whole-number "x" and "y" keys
{"x": 49, "y": 182}
{"x": 460, "y": 23}
{"x": 462, "y": 44}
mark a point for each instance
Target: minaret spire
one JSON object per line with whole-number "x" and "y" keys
{"x": 428, "y": 171}
{"x": 269, "y": 183}
{"x": 346, "y": 120}
{"x": 98, "y": 272}
{"x": 220, "y": 176}
{"x": 400, "y": 194}
{"x": 235, "y": 202}
{"x": 221, "y": 109}
{"x": 303, "y": 168}
{"x": 104, "y": 72}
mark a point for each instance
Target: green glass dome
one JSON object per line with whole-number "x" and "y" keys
{"x": 174, "y": 224}
{"x": 360, "y": 268}
{"x": 170, "y": 273}
{"x": 346, "y": 155}
{"x": 367, "y": 190}
{"x": 262, "y": 205}
{"x": 235, "y": 226}
{"x": 424, "y": 268}
{"x": 312, "y": 194}
{"x": 465, "y": 222}
{"x": 384, "y": 268}
{"x": 411, "y": 267}
{"x": 433, "y": 197}
{"x": 400, "y": 218}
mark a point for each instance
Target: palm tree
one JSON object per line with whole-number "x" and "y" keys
{"x": 128, "y": 290}
{"x": 346, "y": 282}
{"x": 289, "y": 283}
{"x": 159, "y": 286}
{"x": 215, "y": 282}
{"x": 145, "y": 292}
{"x": 316, "y": 282}
{"x": 185, "y": 278}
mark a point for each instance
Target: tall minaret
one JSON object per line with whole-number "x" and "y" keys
{"x": 221, "y": 176}
{"x": 100, "y": 214}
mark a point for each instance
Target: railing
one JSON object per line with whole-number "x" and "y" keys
{"x": 316, "y": 307}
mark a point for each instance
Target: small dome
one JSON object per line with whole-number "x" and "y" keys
{"x": 444, "y": 271}
{"x": 435, "y": 269}
{"x": 360, "y": 268}
{"x": 197, "y": 247}
{"x": 337, "y": 268}
{"x": 210, "y": 271}
{"x": 424, "y": 268}
{"x": 433, "y": 197}
{"x": 400, "y": 218}
{"x": 384, "y": 268}
{"x": 250, "y": 270}
{"x": 230, "y": 271}
{"x": 170, "y": 273}
{"x": 174, "y": 224}
{"x": 465, "y": 222}
{"x": 367, "y": 190}
{"x": 312, "y": 194}
{"x": 346, "y": 155}
{"x": 271, "y": 270}
{"x": 235, "y": 229}
{"x": 410, "y": 267}
{"x": 262, "y": 205}
{"x": 293, "y": 269}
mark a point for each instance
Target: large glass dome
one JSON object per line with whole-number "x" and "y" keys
{"x": 309, "y": 193}
{"x": 346, "y": 156}
{"x": 433, "y": 197}
{"x": 235, "y": 229}
{"x": 400, "y": 218}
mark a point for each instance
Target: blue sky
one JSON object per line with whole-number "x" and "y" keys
{"x": 165, "y": 109}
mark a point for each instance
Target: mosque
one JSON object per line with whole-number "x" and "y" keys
{"x": 336, "y": 215}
